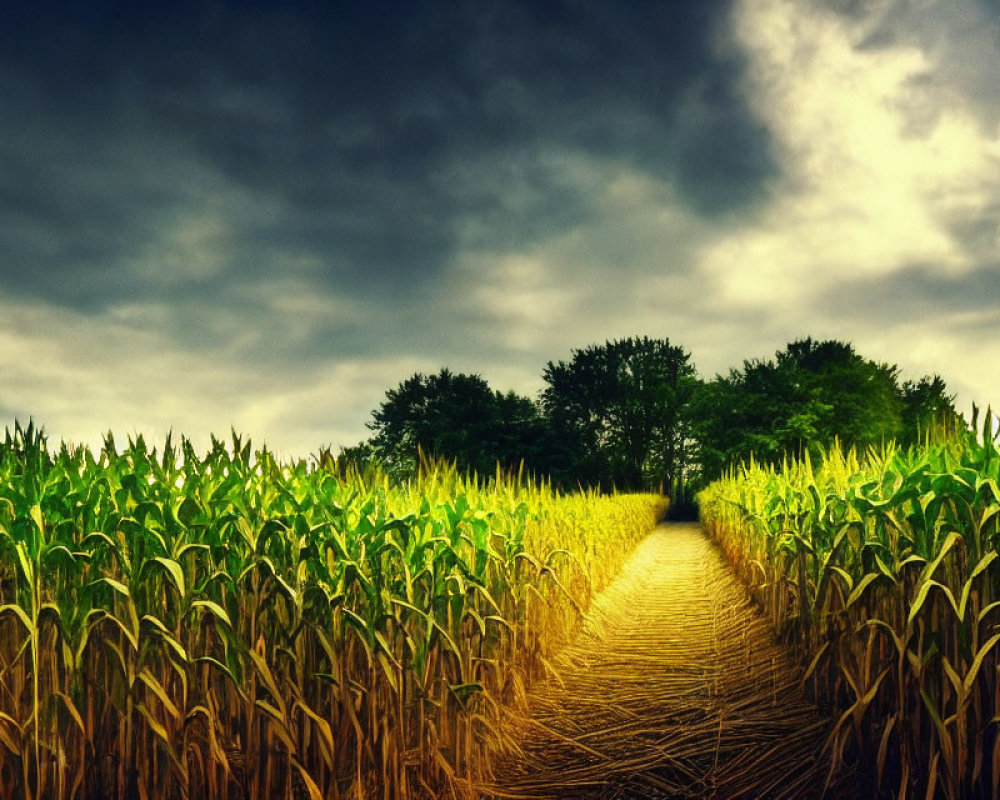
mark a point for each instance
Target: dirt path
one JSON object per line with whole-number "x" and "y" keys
{"x": 674, "y": 688}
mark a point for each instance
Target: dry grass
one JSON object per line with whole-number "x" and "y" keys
{"x": 674, "y": 688}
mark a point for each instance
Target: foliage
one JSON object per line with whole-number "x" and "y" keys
{"x": 457, "y": 418}
{"x": 928, "y": 411}
{"x": 810, "y": 394}
{"x": 228, "y": 626}
{"x": 883, "y": 572}
{"x": 617, "y": 412}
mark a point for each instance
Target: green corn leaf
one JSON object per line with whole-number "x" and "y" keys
{"x": 984, "y": 562}
{"x": 36, "y": 516}
{"x": 814, "y": 662}
{"x": 165, "y": 635}
{"x": 224, "y": 670}
{"x": 956, "y": 681}
{"x": 950, "y": 541}
{"x": 268, "y": 677}
{"x": 977, "y": 662}
{"x": 175, "y": 573}
{"x": 74, "y": 714}
{"x": 156, "y": 687}
{"x": 884, "y": 569}
{"x": 862, "y": 586}
{"x": 987, "y": 611}
{"x": 213, "y": 608}
{"x": 25, "y": 562}
{"x": 118, "y": 586}
{"x": 21, "y": 614}
{"x": 385, "y": 648}
{"x": 922, "y": 594}
{"x": 129, "y": 636}
{"x": 463, "y": 691}
{"x": 389, "y": 666}
{"x": 844, "y": 576}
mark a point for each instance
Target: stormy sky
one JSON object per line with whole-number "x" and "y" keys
{"x": 262, "y": 215}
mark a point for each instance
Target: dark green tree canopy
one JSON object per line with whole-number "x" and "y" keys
{"x": 632, "y": 414}
{"x": 811, "y": 393}
{"x": 456, "y": 417}
{"x": 617, "y": 412}
{"x": 928, "y": 410}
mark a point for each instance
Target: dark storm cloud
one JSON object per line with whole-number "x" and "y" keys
{"x": 364, "y": 140}
{"x": 266, "y": 214}
{"x": 919, "y": 292}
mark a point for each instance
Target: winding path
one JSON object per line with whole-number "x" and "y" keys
{"x": 675, "y": 688}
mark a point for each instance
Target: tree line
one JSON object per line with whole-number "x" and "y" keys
{"x": 633, "y": 414}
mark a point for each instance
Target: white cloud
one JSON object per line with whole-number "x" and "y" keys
{"x": 859, "y": 195}
{"x": 328, "y": 405}
{"x": 79, "y": 376}
{"x": 953, "y": 346}
{"x": 521, "y": 296}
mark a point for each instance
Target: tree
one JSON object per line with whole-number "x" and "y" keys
{"x": 617, "y": 413}
{"x": 459, "y": 418}
{"x": 811, "y": 393}
{"x": 358, "y": 458}
{"x": 928, "y": 410}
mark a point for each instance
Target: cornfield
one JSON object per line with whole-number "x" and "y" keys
{"x": 230, "y": 626}
{"x": 882, "y": 572}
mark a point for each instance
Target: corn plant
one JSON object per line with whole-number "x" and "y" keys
{"x": 175, "y": 625}
{"x": 882, "y": 571}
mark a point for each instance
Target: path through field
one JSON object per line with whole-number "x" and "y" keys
{"x": 675, "y": 688}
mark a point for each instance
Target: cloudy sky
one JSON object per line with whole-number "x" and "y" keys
{"x": 264, "y": 215}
